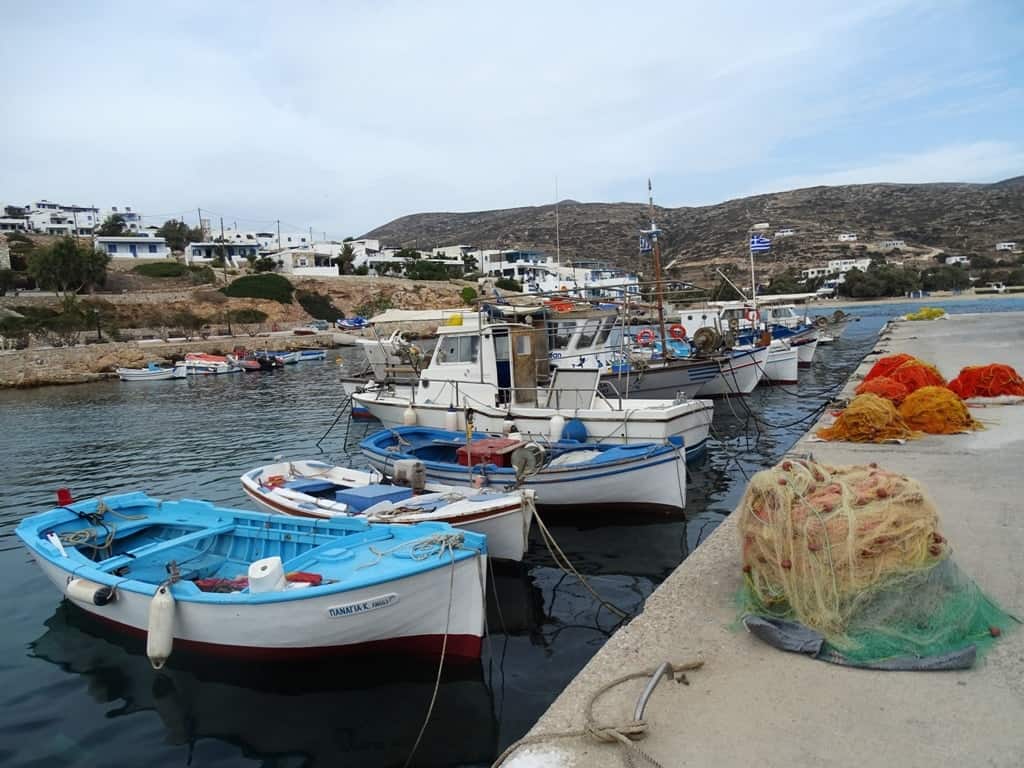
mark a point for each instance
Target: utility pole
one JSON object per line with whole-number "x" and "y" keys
{"x": 279, "y": 235}
{"x": 202, "y": 233}
{"x": 666, "y": 353}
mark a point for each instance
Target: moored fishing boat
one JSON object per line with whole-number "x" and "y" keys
{"x": 314, "y": 489}
{"x": 740, "y": 374}
{"x": 152, "y": 372}
{"x": 224, "y": 582}
{"x": 312, "y": 354}
{"x": 285, "y": 357}
{"x": 200, "y": 363}
{"x": 563, "y": 474}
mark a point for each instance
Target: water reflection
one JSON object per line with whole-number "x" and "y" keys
{"x": 362, "y": 713}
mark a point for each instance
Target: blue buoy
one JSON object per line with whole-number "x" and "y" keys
{"x": 575, "y": 430}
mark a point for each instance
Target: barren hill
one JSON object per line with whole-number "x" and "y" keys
{"x": 952, "y": 217}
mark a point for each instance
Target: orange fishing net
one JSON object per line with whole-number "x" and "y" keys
{"x": 987, "y": 381}
{"x": 938, "y": 411}
{"x": 886, "y": 365}
{"x": 915, "y": 374}
{"x": 885, "y": 387}
{"x": 868, "y": 419}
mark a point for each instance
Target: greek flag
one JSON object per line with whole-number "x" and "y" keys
{"x": 759, "y": 243}
{"x": 645, "y": 244}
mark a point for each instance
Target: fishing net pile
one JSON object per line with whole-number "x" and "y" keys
{"x": 936, "y": 410}
{"x": 927, "y": 313}
{"x": 884, "y": 387}
{"x": 884, "y": 366}
{"x": 994, "y": 380}
{"x": 914, "y": 374}
{"x": 868, "y": 419}
{"x": 848, "y": 564}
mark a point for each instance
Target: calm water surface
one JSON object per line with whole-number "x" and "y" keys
{"x": 73, "y": 694}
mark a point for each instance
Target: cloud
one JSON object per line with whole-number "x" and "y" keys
{"x": 344, "y": 116}
{"x": 981, "y": 161}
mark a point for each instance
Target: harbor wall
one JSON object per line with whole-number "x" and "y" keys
{"x": 753, "y": 705}
{"x": 36, "y": 367}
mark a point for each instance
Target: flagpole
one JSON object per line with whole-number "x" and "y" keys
{"x": 666, "y": 353}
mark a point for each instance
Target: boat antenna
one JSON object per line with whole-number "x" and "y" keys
{"x": 659, "y": 291}
{"x": 558, "y": 243}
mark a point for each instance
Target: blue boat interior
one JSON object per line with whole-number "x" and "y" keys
{"x": 135, "y": 538}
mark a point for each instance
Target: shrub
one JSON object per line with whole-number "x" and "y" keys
{"x": 319, "y": 306}
{"x": 264, "y": 286}
{"x": 468, "y": 295}
{"x": 247, "y": 316}
{"x": 202, "y": 275}
{"x": 508, "y": 284}
{"x": 362, "y": 269}
{"x": 161, "y": 269}
{"x": 265, "y": 264}
{"x": 374, "y": 306}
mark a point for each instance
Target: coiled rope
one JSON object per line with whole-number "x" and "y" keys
{"x": 624, "y": 734}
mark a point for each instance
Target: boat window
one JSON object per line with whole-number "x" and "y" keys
{"x": 732, "y": 314}
{"x": 500, "y": 346}
{"x": 458, "y": 349}
{"x": 522, "y": 345}
{"x": 606, "y": 329}
{"x": 590, "y": 329}
{"x": 564, "y": 331}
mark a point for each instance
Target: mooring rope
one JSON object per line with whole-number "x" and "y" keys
{"x": 625, "y": 733}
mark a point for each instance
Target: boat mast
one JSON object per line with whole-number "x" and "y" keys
{"x": 653, "y": 233}
{"x": 558, "y": 248}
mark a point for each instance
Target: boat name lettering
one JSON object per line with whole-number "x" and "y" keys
{"x": 351, "y": 609}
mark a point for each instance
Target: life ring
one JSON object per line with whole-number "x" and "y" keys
{"x": 677, "y": 332}
{"x": 750, "y": 316}
{"x": 645, "y": 338}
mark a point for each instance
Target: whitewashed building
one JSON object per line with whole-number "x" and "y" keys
{"x": 848, "y": 237}
{"x": 836, "y": 267}
{"x": 1009, "y": 245}
{"x": 134, "y": 247}
{"x": 132, "y": 219}
{"x": 13, "y": 224}
{"x": 235, "y": 254}
{"x": 892, "y": 244}
{"x": 953, "y": 260}
{"x": 785, "y": 232}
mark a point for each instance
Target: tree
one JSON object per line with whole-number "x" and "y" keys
{"x": 945, "y": 279}
{"x": 21, "y": 247}
{"x": 178, "y": 234}
{"x": 68, "y": 267}
{"x": 264, "y": 264}
{"x": 469, "y": 262}
{"x": 345, "y": 259}
{"x": 407, "y": 253}
{"x": 508, "y": 284}
{"x": 112, "y": 226}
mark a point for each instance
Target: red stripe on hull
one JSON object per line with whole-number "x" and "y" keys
{"x": 459, "y": 647}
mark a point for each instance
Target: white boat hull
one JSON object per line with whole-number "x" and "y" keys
{"x": 782, "y": 366}
{"x": 658, "y": 481}
{"x": 636, "y": 421}
{"x": 805, "y": 352}
{"x": 412, "y": 614}
{"x": 661, "y": 381}
{"x": 739, "y": 376}
{"x": 145, "y": 374}
{"x": 507, "y": 527}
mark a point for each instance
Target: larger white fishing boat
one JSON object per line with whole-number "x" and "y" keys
{"x": 490, "y": 372}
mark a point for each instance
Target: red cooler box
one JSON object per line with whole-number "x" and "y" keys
{"x": 487, "y": 450}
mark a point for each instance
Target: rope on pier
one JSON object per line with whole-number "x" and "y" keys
{"x": 625, "y": 734}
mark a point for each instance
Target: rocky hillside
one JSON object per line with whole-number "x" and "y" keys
{"x": 955, "y": 218}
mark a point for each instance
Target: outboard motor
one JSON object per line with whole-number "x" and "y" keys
{"x": 410, "y": 473}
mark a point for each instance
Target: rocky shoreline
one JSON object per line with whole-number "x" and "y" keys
{"x": 43, "y": 366}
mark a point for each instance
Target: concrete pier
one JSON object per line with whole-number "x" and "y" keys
{"x": 752, "y": 705}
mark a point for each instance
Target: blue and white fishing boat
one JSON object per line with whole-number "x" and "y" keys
{"x": 351, "y": 323}
{"x": 285, "y": 358}
{"x": 153, "y": 372}
{"x": 563, "y": 474}
{"x": 224, "y": 582}
{"x": 306, "y": 488}
{"x": 312, "y": 354}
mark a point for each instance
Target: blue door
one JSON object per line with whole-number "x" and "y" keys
{"x": 133, "y": 249}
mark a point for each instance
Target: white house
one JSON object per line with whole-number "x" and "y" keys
{"x": 891, "y": 244}
{"x": 13, "y": 224}
{"x": 814, "y": 272}
{"x": 50, "y": 218}
{"x": 134, "y": 247}
{"x": 951, "y": 260}
{"x": 836, "y": 267}
{"x": 1007, "y": 246}
{"x": 236, "y": 254}
{"x": 848, "y": 237}
{"x": 132, "y": 219}
{"x": 785, "y": 232}
{"x": 303, "y": 262}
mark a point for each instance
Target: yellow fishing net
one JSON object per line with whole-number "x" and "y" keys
{"x": 927, "y": 313}
{"x": 868, "y": 419}
{"x": 855, "y": 553}
{"x": 936, "y": 410}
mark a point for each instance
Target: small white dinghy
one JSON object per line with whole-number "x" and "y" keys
{"x": 247, "y": 584}
{"x": 319, "y": 490}
{"x": 153, "y": 372}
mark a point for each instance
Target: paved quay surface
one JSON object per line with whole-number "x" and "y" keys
{"x": 753, "y": 705}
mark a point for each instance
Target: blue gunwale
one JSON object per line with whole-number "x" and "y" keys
{"x": 334, "y": 547}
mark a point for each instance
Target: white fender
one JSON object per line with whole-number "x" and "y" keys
{"x": 160, "y": 637}
{"x": 409, "y": 417}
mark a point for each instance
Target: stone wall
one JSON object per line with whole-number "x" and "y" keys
{"x": 80, "y": 364}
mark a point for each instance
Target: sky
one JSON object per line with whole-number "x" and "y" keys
{"x": 341, "y": 116}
